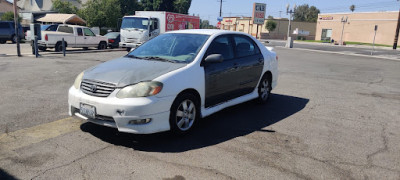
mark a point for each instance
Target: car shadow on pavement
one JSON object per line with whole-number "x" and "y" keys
{"x": 5, "y": 176}
{"x": 227, "y": 124}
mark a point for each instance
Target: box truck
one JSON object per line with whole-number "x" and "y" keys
{"x": 145, "y": 25}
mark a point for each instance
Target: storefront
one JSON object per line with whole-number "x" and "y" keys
{"x": 357, "y": 27}
{"x": 244, "y": 24}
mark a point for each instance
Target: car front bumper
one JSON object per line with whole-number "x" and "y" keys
{"x": 118, "y": 113}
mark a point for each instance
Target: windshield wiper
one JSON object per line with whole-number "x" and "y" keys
{"x": 158, "y": 59}
{"x": 133, "y": 56}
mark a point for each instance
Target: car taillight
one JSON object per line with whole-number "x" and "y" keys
{"x": 111, "y": 40}
{"x": 46, "y": 37}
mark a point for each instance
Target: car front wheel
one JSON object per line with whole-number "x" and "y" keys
{"x": 185, "y": 112}
{"x": 102, "y": 45}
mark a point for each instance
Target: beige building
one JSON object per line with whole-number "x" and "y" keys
{"x": 360, "y": 27}
{"x": 244, "y": 24}
{"x": 5, "y": 6}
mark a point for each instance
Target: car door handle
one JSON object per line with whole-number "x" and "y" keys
{"x": 261, "y": 60}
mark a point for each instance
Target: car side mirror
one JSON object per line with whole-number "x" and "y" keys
{"x": 214, "y": 58}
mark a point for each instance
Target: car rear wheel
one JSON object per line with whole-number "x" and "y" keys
{"x": 102, "y": 45}
{"x": 2, "y": 41}
{"x": 59, "y": 47}
{"x": 264, "y": 89}
{"x": 14, "y": 39}
{"x": 185, "y": 111}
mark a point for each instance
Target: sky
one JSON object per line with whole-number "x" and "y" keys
{"x": 209, "y": 9}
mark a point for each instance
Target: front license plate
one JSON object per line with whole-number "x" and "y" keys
{"x": 88, "y": 111}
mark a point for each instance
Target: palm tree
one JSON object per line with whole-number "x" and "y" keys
{"x": 352, "y": 8}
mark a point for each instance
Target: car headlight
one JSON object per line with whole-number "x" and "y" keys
{"x": 78, "y": 81}
{"x": 142, "y": 89}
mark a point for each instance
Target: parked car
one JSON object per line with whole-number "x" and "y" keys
{"x": 171, "y": 81}
{"x": 43, "y": 27}
{"x": 113, "y": 39}
{"x": 7, "y": 32}
{"x": 74, "y": 36}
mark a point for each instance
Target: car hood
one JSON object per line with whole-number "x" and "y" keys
{"x": 126, "y": 71}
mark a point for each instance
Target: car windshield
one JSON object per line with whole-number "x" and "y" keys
{"x": 171, "y": 47}
{"x": 134, "y": 22}
{"x": 112, "y": 35}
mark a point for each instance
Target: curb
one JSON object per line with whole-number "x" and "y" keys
{"x": 341, "y": 53}
{"x": 66, "y": 52}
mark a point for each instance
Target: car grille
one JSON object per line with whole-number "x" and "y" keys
{"x": 97, "y": 88}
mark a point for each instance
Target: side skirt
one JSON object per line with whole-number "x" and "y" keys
{"x": 211, "y": 110}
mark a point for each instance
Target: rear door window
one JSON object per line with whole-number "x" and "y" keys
{"x": 244, "y": 46}
{"x": 66, "y": 29}
{"x": 79, "y": 31}
{"x": 4, "y": 25}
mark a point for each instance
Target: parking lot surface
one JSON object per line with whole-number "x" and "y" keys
{"x": 331, "y": 117}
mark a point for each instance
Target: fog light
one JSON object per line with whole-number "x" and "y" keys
{"x": 140, "y": 121}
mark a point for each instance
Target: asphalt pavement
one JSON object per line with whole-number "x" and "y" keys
{"x": 332, "y": 116}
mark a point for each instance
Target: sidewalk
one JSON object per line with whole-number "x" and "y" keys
{"x": 355, "y": 50}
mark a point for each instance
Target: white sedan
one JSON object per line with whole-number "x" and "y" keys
{"x": 173, "y": 80}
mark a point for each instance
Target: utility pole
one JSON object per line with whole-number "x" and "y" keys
{"x": 16, "y": 26}
{"x": 344, "y": 21}
{"x": 280, "y": 14}
{"x": 396, "y": 36}
{"x": 290, "y": 12}
{"x": 220, "y": 8}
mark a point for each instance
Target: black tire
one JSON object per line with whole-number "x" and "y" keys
{"x": 42, "y": 48}
{"x": 14, "y": 39}
{"x": 128, "y": 49}
{"x": 183, "y": 117}
{"x": 59, "y": 47}
{"x": 102, "y": 45}
{"x": 2, "y": 41}
{"x": 264, "y": 89}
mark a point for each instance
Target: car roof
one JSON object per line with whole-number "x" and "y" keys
{"x": 207, "y": 32}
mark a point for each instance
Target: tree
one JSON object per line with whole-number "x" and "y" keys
{"x": 270, "y": 17}
{"x": 306, "y": 14}
{"x": 182, "y": 6}
{"x": 128, "y": 7}
{"x": 101, "y": 13}
{"x": 270, "y": 25}
{"x": 205, "y": 24}
{"x": 177, "y": 6}
{"x": 64, "y": 7}
{"x": 9, "y": 16}
{"x": 352, "y": 8}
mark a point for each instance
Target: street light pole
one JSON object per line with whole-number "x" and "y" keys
{"x": 344, "y": 20}
{"x": 396, "y": 36}
{"x": 290, "y": 12}
{"x": 16, "y": 26}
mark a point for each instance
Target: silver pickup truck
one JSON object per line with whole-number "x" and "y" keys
{"x": 74, "y": 36}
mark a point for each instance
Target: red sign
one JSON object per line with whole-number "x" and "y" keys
{"x": 219, "y": 25}
{"x": 177, "y": 21}
{"x": 228, "y": 20}
{"x": 259, "y": 13}
{"x": 326, "y": 18}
